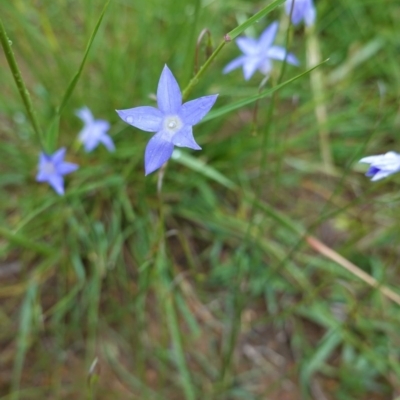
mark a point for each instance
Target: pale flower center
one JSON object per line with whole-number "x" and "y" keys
{"x": 48, "y": 168}
{"x": 172, "y": 124}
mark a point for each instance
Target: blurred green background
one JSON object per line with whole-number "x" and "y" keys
{"x": 213, "y": 289}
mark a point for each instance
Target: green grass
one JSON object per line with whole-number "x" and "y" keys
{"x": 209, "y": 288}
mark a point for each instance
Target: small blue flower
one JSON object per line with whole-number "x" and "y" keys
{"x": 383, "y": 165}
{"x": 172, "y": 121}
{"x": 94, "y": 131}
{"x": 52, "y": 168}
{"x": 257, "y": 54}
{"x": 302, "y": 10}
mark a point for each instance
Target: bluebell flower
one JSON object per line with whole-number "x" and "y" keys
{"x": 302, "y": 10}
{"x": 259, "y": 53}
{"x": 52, "y": 169}
{"x": 383, "y": 165}
{"x": 172, "y": 121}
{"x": 94, "y": 131}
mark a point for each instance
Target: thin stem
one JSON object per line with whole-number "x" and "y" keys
{"x": 203, "y": 33}
{"x": 23, "y": 91}
{"x": 352, "y": 268}
{"x": 318, "y": 89}
{"x": 203, "y": 69}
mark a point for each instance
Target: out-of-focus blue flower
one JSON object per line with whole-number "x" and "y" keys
{"x": 302, "y": 10}
{"x": 383, "y": 165}
{"x": 52, "y": 169}
{"x": 258, "y": 53}
{"x": 172, "y": 121}
{"x": 94, "y": 131}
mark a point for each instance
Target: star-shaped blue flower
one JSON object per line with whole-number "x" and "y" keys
{"x": 94, "y": 131}
{"x": 172, "y": 121}
{"x": 302, "y": 10}
{"x": 52, "y": 169}
{"x": 382, "y": 165}
{"x": 257, "y": 54}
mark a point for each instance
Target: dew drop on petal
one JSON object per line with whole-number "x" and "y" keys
{"x": 129, "y": 120}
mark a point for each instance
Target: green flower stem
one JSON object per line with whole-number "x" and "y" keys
{"x": 201, "y": 71}
{"x": 229, "y": 37}
{"x": 23, "y": 91}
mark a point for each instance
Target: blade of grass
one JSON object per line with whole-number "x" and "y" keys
{"x": 255, "y": 18}
{"x": 25, "y": 328}
{"x": 53, "y": 130}
{"x": 324, "y": 349}
{"x": 20, "y": 240}
{"x": 168, "y": 298}
{"x": 228, "y": 37}
{"x": 331, "y": 254}
{"x": 241, "y": 103}
{"x": 23, "y": 91}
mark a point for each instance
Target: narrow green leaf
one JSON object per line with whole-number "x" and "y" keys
{"x": 241, "y": 103}
{"x": 20, "y": 240}
{"x": 255, "y": 18}
{"x": 231, "y": 35}
{"x": 23, "y": 339}
{"x": 23, "y": 90}
{"x": 75, "y": 79}
{"x": 324, "y": 349}
{"x": 53, "y": 131}
{"x": 201, "y": 167}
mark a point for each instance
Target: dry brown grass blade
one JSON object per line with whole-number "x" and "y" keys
{"x": 332, "y": 255}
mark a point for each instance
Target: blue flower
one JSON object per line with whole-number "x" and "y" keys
{"x": 52, "y": 168}
{"x": 172, "y": 121}
{"x": 302, "y": 10}
{"x": 94, "y": 131}
{"x": 257, "y": 54}
{"x": 383, "y": 165}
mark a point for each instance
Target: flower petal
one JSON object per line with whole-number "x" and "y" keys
{"x": 66, "y": 168}
{"x": 57, "y": 183}
{"x": 158, "y": 151}
{"x": 43, "y": 159}
{"x": 279, "y": 53}
{"x": 146, "y": 118}
{"x": 169, "y": 97}
{"x": 236, "y": 63}
{"x": 310, "y": 15}
{"x": 42, "y": 176}
{"x": 267, "y": 37}
{"x": 90, "y": 143}
{"x": 58, "y": 156}
{"x": 370, "y": 159}
{"x": 194, "y": 111}
{"x": 265, "y": 67}
{"x": 85, "y": 115}
{"x": 184, "y": 138}
{"x": 380, "y": 175}
{"x": 108, "y": 143}
{"x": 102, "y": 125}
{"x": 250, "y": 66}
{"x": 247, "y": 45}
{"x": 297, "y": 13}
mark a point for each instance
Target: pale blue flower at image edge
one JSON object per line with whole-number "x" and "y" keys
{"x": 302, "y": 10}
{"x": 94, "y": 131}
{"x": 52, "y": 169}
{"x": 382, "y": 165}
{"x": 172, "y": 121}
{"x": 258, "y": 53}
